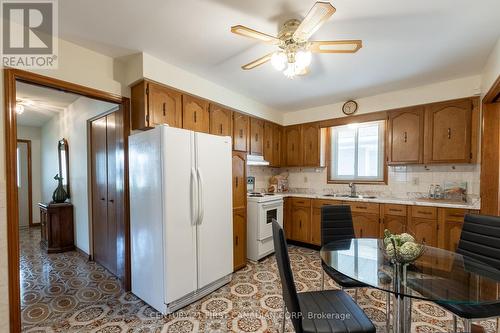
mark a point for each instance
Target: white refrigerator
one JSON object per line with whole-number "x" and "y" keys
{"x": 180, "y": 215}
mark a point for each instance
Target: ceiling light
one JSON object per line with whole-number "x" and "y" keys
{"x": 19, "y": 109}
{"x": 279, "y": 60}
{"x": 303, "y": 59}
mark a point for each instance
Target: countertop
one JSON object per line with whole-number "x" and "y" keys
{"x": 474, "y": 204}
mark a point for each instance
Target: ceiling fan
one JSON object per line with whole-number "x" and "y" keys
{"x": 295, "y": 51}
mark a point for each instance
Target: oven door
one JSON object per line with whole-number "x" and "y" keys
{"x": 268, "y": 212}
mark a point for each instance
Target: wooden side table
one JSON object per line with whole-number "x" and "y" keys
{"x": 57, "y": 229}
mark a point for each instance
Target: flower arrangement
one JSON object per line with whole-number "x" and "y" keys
{"x": 402, "y": 248}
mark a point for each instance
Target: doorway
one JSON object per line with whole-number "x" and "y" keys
{"x": 24, "y": 183}
{"x": 13, "y": 77}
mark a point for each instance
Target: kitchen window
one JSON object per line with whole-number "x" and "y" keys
{"x": 357, "y": 153}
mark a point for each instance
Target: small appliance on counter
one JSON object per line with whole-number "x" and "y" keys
{"x": 250, "y": 184}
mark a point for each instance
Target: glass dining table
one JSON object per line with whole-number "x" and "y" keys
{"x": 438, "y": 275}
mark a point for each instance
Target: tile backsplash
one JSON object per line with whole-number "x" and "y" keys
{"x": 403, "y": 181}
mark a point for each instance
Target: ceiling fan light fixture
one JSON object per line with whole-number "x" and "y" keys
{"x": 279, "y": 61}
{"x": 303, "y": 59}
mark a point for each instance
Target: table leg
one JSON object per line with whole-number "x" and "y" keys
{"x": 402, "y": 314}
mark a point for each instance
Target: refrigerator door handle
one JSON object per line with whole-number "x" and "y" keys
{"x": 194, "y": 197}
{"x": 200, "y": 196}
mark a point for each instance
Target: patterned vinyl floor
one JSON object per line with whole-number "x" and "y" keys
{"x": 67, "y": 293}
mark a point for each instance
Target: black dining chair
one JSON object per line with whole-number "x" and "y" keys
{"x": 337, "y": 225}
{"x": 315, "y": 311}
{"x": 479, "y": 240}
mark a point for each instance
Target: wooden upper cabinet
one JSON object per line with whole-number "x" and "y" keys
{"x": 293, "y": 154}
{"x": 239, "y": 180}
{"x": 448, "y": 132}
{"x": 277, "y": 133}
{"x": 268, "y": 143}
{"x": 311, "y": 144}
{"x": 406, "y": 136}
{"x": 240, "y": 132}
{"x": 154, "y": 104}
{"x": 221, "y": 120}
{"x": 256, "y": 136}
{"x": 195, "y": 114}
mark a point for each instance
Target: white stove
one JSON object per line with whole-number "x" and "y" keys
{"x": 262, "y": 209}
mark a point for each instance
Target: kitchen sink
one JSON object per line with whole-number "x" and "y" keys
{"x": 350, "y": 196}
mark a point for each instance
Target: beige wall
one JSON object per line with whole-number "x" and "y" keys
{"x": 441, "y": 91}
{"x": 71, "y": 124}
{"x": 491, "y": 70}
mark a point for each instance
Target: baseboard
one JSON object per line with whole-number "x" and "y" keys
{"x": 309, "y": 246}
{"x": 83, "y": 253}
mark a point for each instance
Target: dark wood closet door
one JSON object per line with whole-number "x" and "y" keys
{"x": 99, "y": 192}
{"x": 111, "y": 192}
{"x": 104, "y": 195}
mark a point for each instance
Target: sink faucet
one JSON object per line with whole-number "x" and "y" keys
{"x": 353, "y": 189}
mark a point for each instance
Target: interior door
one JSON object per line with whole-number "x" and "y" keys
{"x": 99, "y": 192}
{"x": 111, "y": 151}
{"x": 215, "y": 230}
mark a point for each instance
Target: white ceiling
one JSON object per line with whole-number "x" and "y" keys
{"x": 405, "y": 43}
{"x": 45, "y": 103}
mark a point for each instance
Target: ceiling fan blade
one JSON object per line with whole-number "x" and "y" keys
{"x": 338, "y": 46}
{"x": 250, "y": 33}
{"x": 319, "y": 13}
{"x": 258, "y": 62}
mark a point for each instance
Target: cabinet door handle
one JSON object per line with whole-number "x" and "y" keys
{"x": 194, "y": 116}
{"x": 220, "y": 128}
{"x": 102, "y": 199}
{"x": 406, "y": 137}
{"x": 300, "y": 224}
{"x": 310, "y": 145}
{"x": 164, "y": 111}
{"x": 361, "y": 233}
{"x": 423, "y": 239}
{"x": 236, "y": 181}
{"x": 449, "y": 133}
{"x": 293, "y": 147}
{"x": 424, "y": 213}
{"x": 236, "y": 240}
{"x": 268, "y": 144}
{"x": 241, "y": 133}
{"x": 256, "y": 137}
{"x": 111, "y": 200}
{"x": 361, "y": 207}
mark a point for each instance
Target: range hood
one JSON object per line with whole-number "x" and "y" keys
{"x": 256, "y": 160}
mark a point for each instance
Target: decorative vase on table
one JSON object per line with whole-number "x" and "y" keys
{"x": 59, "y": 195}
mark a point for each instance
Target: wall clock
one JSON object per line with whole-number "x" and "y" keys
{"x": 349, "y": 107}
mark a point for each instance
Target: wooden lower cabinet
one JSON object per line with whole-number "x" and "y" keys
{"x": 424, "y": 230}
{"x": 301, "y": 220}
{"x": 450, "y": 222}
{"x": 395, "y": 224}
{"x": 239, "y": 238}
{"x": 287, "y": 217}
{"x": 366, "y": 225}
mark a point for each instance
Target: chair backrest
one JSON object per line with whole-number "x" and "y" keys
{"x": 336, "y": 223}
{"x": 480, "y": 239}
{"x": 287, "y": 284}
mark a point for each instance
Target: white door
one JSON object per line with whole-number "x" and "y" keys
{"x": 215, "y": 228}
{"x": 180, "y": 232}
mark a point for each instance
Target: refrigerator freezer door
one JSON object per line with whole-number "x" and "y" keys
{"x": 180, "y": 212}
{"x": 146, "y": 218}
{"x": 215, "y": 228}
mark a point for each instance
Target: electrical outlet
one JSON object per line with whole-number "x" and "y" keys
{"x": 305, "y": 179}
{"x": 415, "y": 180}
